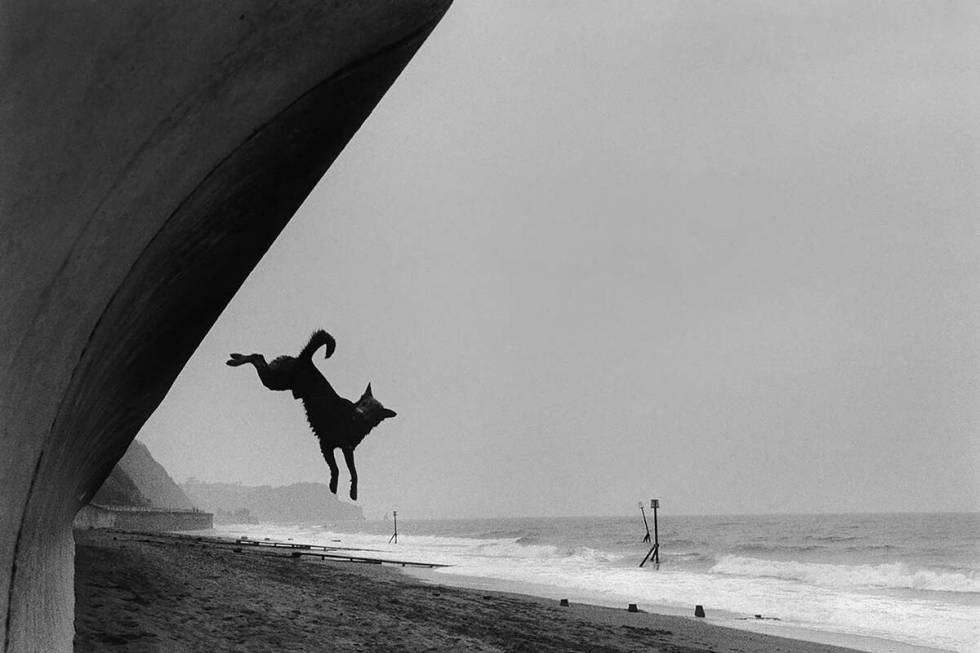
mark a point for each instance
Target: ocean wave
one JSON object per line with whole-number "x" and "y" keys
{"x": 777, "y": 548}
{"x": 835, "y": 538}
{"x": 892, "y": 575}
{"x": 625, "y": 542}
{"x": 587, "y": 554}
{"x": 680, "y": 542}
{"x": 518, "y": 535}
{"x": 511, "y": 549}
{"x": 812, "y": 545}
{"x": 687, "y": 556}
{"x": 864, "y": 548}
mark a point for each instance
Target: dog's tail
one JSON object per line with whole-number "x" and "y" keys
{"x": 317, "y": 340}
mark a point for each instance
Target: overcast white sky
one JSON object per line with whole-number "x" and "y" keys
{"x": 725, "y": 254}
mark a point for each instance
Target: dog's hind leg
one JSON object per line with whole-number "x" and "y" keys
{"x": 327, "y": 451}
{"x": 275, "y": 376}
{"x": 349, "y": 457}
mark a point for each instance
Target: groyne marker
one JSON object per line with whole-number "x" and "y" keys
{"x": 394, "y": 536}
{"x": 655, "y": 550}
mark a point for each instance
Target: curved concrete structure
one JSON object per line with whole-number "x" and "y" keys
{"x": 149, "y": 154}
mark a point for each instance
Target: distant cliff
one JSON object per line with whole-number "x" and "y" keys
{"x": 139, "y": 495}
{"x": 297, "y": 503}
{"x": 120, "y": 490}
{"x": 139, "y": 480}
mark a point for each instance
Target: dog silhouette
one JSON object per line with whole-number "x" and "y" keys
{"x": 338, "y": 423}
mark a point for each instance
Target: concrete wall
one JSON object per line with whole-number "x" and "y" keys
{"x": 149, "y": 154}
{"x": 92, "y": 516}
{"x": 142, "y": 519}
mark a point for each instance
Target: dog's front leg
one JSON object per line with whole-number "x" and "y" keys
{"x": 332, "y": 464}
{"x": 349, "y": 457}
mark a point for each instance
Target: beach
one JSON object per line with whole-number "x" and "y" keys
{"x": 140, "y": 592}
{"x": 886, "y": 583}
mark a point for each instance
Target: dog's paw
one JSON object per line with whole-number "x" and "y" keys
{"x": 353, "y": 492}
{"x": 333, "y": 485}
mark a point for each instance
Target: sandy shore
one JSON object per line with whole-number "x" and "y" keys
{"x": 158, "y": 593}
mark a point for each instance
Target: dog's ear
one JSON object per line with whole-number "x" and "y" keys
{"x": 367, "y": 393}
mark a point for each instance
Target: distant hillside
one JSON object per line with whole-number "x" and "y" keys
{"x": 119, "y": 490}
{"x": 139, "y": 480}
{"x": 297, "y": 503}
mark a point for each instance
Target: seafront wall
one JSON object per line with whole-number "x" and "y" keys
{"x": 149, "y": 155}
{"x": 142, "y": 519}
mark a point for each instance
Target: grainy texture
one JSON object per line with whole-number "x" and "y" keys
{"x": 150, "y": 153}
{"x": 139, "y": 593}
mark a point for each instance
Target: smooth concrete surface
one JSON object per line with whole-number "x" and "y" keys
{"x": 149, "y": 154}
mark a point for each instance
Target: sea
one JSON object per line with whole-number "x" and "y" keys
{"x": 875, "y": 582}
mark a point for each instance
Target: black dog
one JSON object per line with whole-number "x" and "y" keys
{"x": 336, "y": 422}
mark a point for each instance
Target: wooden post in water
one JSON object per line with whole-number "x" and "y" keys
{"x": 394, "y": 536}
{"x": 655, "y": 503}
{"x": 646, "y": 538}
{"x": 654, "y": 552}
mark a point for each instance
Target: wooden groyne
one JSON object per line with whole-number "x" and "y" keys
{"x": 273, "y": 547}
{"x": 323, "y": 552}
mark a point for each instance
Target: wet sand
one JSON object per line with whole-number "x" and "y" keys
{"x": 159, "y": 593}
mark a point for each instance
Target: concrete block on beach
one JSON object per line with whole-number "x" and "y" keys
{"x": 150, "y": 154}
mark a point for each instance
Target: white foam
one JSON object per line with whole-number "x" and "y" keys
{"x": 832, "y": 598}
{"x": 893, "y": 575}
{"x": 923, "y": 623}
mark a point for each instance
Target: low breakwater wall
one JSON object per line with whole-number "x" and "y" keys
{"x": 142, "y": 519}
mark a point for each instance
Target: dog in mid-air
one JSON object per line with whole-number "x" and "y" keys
{"x": 337, "y": 422}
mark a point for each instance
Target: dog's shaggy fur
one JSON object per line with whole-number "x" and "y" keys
{"x": 336, "y": 422}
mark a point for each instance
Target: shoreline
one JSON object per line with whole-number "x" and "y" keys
{"x": 863, "y": 638}
{"x": 720, "y": 619}
{"x": 140, "y": 591}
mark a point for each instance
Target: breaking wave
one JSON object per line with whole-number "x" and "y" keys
{"x": 893, "y": 575}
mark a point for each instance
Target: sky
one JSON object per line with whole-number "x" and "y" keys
{"x": 592, "y": 253}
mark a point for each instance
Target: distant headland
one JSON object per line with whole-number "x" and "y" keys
{"x": 288, "y": 504}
